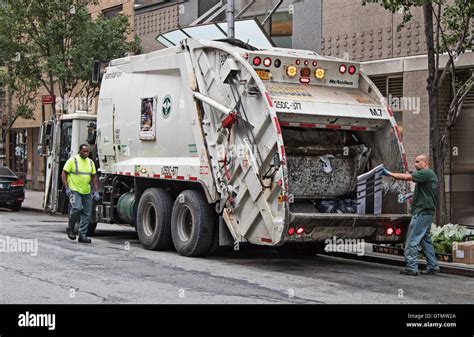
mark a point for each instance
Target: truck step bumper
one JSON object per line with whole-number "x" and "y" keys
{"x": 371, "y": 228}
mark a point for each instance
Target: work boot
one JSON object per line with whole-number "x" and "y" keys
{"x": 430, "y": 272}
{"x": 70, "y": 234}
{"x": 84, "y": 239}
{"x": 409, "y": 272}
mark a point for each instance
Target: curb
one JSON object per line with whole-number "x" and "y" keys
{"x": 393, "y": 261}
{"x": 40, "y": 210}
{"x": 32, "y": 209}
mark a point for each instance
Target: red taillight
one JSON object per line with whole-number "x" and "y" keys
{"x": 315, "y": 63}
{"x": 267, "y": 62}
{"x": 342, "y": 68}
{"x": 300, "y": 230}
{"x": 298, "y": 61}
{"x": 291, "y": 231}
{"x": 17, "y": 183}
{"x": 389, "y": 231}
{"x": 306, "y": 62}
{"x": 304, "y": 80}
{"x": 352, "y": 70}
{"x": 398, "y": 231}
{"x": 257, "y": 60}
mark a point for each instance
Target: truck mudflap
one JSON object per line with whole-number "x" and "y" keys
{"x": 384, "y": 228}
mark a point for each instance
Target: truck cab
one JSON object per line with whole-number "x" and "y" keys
{"x": 59, "y": 140}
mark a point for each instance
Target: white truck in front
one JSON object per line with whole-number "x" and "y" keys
{"x": 216, "y": 142}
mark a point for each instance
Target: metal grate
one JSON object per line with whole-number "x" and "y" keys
{"x": 395, "y": 86}
{"x": 381, "y": 84}
{"x": 469, "y": 99}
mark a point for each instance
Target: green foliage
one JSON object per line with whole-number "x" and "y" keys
{"x": 443, "y": 237}
{"x": 453, "y": 19}
{"x": 53, "y": 43}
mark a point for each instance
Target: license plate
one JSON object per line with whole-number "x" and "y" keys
{"x": 263, "y": 74}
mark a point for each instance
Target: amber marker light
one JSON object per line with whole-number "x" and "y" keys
{"x": 319, "y": 73}
{"x": 291, "y": 71}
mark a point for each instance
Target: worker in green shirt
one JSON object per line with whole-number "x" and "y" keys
{"x": 424, "y": 203}
{"x": 78, "y": 173}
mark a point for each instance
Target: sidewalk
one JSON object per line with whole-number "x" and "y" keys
{"x": 460, "y": 269}
{"x": 33, "y": 200}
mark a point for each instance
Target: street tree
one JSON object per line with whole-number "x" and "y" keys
{"x": 449, "y": 30}
{"x": 16, "y": 79}
{"x": 57, "y": 42}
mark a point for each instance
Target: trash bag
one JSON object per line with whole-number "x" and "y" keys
{"x": 347, "y": 205}
{"x": 327, "y": 206}
{"x": 337, "y": 206}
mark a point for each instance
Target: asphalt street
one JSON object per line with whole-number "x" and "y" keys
{"x": 116, "y": 269}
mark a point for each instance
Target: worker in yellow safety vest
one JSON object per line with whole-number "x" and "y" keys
{"x": 78, "y": 173}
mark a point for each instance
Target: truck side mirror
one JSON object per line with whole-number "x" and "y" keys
{"x": 91, "y": 133}
{"x": 49, "y": 135}
{"x": 98, "y": 70}
{"x": 45, "y": 138}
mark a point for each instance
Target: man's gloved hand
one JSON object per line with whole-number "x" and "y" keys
{"x": 385, "y": 172}
{"x": 68, "y": 191}
{"x": 96, "y": 196}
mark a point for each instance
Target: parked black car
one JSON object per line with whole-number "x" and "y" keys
{"x": 12, "y": 189}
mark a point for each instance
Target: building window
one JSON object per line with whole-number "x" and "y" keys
{"x": 18, "y": 152}
{"x": 281, "y": 29}
{"x": 279, "y": 26}
{"x": 145, "y": 3}
{"x": 112, "y": 12}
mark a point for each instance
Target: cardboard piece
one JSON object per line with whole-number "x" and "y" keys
{"x": 463, "y": 252}
{"x": 369, "y": 191}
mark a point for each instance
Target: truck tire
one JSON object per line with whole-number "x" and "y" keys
{"x": 192, "y": 224}
{"x": 154, "y": 219}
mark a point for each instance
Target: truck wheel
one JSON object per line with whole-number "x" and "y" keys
{"x": 192, "y": 224}
{"x": 91, "y": 228}
{"x": 154, "y": 219}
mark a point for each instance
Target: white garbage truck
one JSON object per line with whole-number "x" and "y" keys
{"x": 210, "y": 143}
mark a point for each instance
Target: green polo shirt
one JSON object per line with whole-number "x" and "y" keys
{"x": 79, "y": 178}
{"x": 425, "y": 197}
